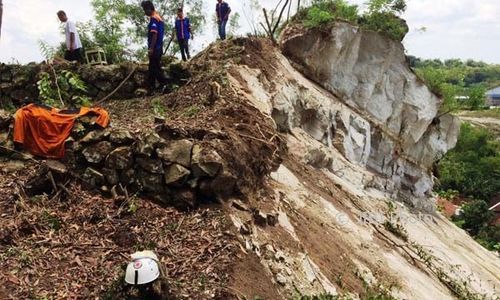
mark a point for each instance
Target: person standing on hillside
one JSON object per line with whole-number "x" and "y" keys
{"x": 222, "y": 10}
{"x": 73, "y": 43}
{"x": 183, "y": 32}
{"x": 156, "y": 29}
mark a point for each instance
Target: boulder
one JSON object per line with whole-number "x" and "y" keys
{"x": 93, "y": 177}
{"x": 95, "y": 136}
{"x": 224, "y": 185}
{"x": 260, "y": 218}
{"x": 178, "y": 152}
{"x": 150, "y": 165}
{"x": 150, "y": 183}
{"x": 176, "y": 174}
{"x": 97, "y": 153}
{"x": 120, "y": 159}
{"x": 184, "y": 199}
{"x": 88, "y": 120}
{"x": 127, "y": 177}
{"x": 205, "y": 162}
{"x": 111, "y": 176}
{"x": 148, "y": 144}
{"x": 121, "y": 137}
{"x": 5, "y": 119}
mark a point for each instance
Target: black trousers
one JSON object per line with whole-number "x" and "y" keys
{"x": 184, "y": 45}
{"x": 75, "y": 55}
{"x": 155, "y": 71}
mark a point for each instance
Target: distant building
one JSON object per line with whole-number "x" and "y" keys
{"x": 493, "y": 97}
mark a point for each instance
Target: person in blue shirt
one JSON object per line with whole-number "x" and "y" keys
{"x": 156, "y": 30}
{"x": 222, "y": 10}
{"x": 183, "y": 33}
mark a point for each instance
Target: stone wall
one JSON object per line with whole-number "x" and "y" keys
{"x": 180, "y": 173}
{"x": 20, "y": 81}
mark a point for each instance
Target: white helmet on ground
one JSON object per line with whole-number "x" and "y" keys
{"x": 143, "y": 269}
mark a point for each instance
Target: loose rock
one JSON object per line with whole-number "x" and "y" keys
{"x": 185, "y": 199}
{"x": 111, "y": 176}
{"x": 93, "y": 177}
{"x": 178, "y": 152}
{"x": 205, "y": 162}
{"x": 260, "y": 218}
{"x": 5, "y": 119}
{"x": 121, "y": 137}
{"x": 120, "y": 159}
{"x": 148, "y": 145}
{"x": 176, "y": 174}
{"x": 150, "y": 183}
{"x": 95, "y": 136}
{"x": 96, "y": 153}
{"x": 150, "y": 165}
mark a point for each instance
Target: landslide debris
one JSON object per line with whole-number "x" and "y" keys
{"x": 121, "y": 189}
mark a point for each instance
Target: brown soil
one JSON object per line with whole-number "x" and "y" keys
{"x": 76, "y": 246}
{"x": 250, "y": 281}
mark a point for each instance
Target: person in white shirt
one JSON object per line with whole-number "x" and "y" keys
{"x": 73, "y": 43}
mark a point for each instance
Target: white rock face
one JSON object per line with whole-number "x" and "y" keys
{"x": 369, "y": 73}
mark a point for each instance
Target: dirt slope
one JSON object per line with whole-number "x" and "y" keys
{"x": 302, "y": 219}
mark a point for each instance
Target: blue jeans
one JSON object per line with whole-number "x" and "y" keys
{"x": 222, "y": 29}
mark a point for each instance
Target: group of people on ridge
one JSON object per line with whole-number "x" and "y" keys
{"x": 155, "y": 37}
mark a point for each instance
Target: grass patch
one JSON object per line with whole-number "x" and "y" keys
{"x": 397, "y": 229}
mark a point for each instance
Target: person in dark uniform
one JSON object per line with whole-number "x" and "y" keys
{"x": 222, "y": 10}
{"x": 156, "y": 29}
{"x": 183, "y": 33}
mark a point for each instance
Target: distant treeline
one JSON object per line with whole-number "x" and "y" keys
{"x": 455, "y": 78}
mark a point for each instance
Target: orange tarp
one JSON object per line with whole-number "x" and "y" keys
{"x": 43, "y": 131}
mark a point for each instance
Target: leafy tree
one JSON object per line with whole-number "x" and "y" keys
{"x": 472, "y": 167}
{"x": 477, "y": 97}
{"x": 234, "y": 23}
{"x": 474, "y": 216}
{"x": 109, "y": 32}
{"x": 387, "y": 6}
{"x": 489, "y": 237}
{"x": 168, "y": 9}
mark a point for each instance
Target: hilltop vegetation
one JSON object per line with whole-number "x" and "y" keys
{"x": 381, "y": 16}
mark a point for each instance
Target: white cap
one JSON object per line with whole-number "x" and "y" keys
{"x": 144, "y": 268}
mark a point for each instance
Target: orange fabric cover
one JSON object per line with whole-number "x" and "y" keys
{"x": 43, "y": 132}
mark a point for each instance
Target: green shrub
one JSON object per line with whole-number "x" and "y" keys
{"x": 472, "y": 167}
{"x": 489, "y": 237}
{"x": 385, "y": 23}
{"x": 317, "y": 17}
{"x": 381, "y": 16}
{"x": 474, "y": 216}
{"x": 323, "y": 12}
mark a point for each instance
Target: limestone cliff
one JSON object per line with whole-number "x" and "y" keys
{"x": 360, "y": 135}
{"x": 369, "y": 73}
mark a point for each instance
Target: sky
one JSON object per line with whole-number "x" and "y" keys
{"x": 454, "y": 28}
